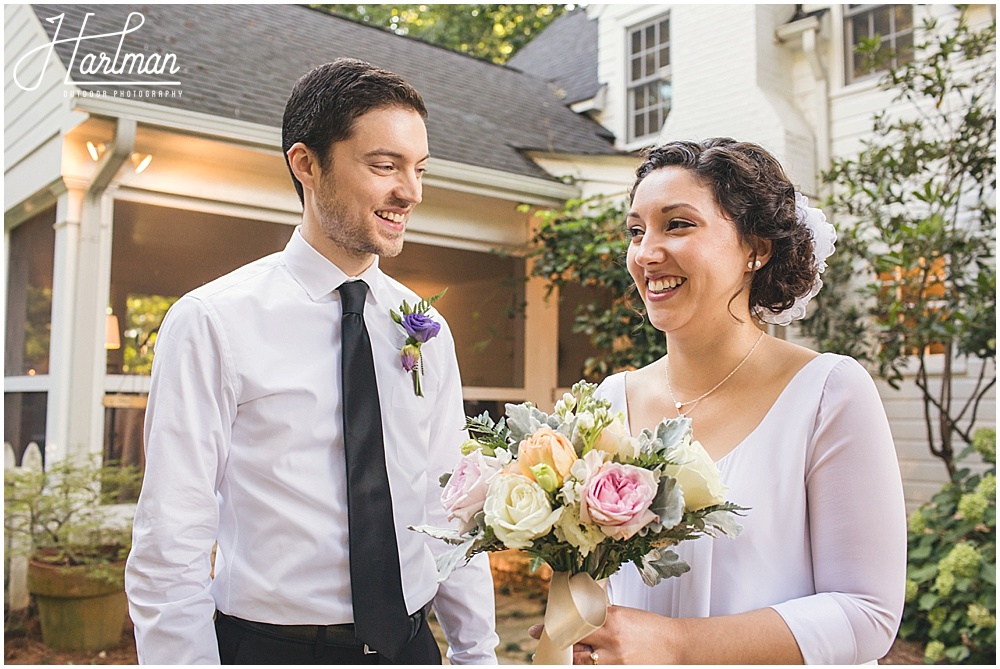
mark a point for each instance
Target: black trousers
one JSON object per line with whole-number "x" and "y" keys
{"x": 243, "y": 644}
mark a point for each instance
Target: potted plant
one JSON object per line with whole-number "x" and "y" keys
{"x": 65, "y": 519}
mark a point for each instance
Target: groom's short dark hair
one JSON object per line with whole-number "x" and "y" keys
{"x": 325, "y": 103}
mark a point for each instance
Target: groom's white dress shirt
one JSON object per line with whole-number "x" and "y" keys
{"x": 244, "y": 446}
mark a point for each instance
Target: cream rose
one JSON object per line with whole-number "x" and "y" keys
{"x": 614, "y": 439}
{"x": 697, "y": 475}
{"x": 571, "y": 529}
{"x": 545, "y": 447}
{"x": 518, "y": 510}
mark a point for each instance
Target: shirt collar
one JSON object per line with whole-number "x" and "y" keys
{"x": 320, "y": 277}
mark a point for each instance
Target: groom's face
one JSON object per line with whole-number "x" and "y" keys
{"x": 372, "y": 182}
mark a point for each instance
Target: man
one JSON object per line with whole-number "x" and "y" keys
{"x": 265, "y": 428}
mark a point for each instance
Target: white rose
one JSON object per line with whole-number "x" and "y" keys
{"x": 697, "y": 475}
{"x": 518, "y": 510}
{"x": 614, "y": 439}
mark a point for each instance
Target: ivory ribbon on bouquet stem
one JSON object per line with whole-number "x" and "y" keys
{"x": 577, "y": 606}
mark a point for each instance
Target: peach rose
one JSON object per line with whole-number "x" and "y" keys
{"x": 545, "y": 447}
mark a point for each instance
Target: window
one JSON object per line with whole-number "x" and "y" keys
{"x": 648, "y": 78}
{"x": 29, "y": 296}
{"x": 922, "y": 293}
{"x": 893, "y": 24}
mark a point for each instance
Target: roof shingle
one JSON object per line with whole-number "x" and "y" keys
{"x": 565, "y": 53}
{"x": 241, "y": 61}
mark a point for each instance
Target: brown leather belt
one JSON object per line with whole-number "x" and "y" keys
{"x": 328, "y": 635}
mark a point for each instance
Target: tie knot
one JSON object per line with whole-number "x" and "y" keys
{"x": 353, "y": 294}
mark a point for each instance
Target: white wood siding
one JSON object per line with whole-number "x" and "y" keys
{"x": 35, "y": 119}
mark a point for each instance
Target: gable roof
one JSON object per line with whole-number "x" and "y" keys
{"x": 565, "y": 53}
{"x": 241, "y": 61}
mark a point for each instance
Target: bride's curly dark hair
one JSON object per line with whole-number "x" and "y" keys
{"x": 752, "y": 189}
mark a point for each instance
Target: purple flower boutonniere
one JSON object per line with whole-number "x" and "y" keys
{"x": 420, "y": 328}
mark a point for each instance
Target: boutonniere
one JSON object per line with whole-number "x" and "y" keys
{"x": 420, "y": 328}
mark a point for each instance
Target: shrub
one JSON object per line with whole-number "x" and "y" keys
{"x": 951, "y": 575}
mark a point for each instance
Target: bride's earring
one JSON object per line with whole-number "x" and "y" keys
{"x": 754, "y": 264}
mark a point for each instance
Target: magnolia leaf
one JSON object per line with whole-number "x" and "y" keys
{"x": 724, "y": 522}
{"x": 448, "y": 561}
{"x": 443, "y": 533}
{"x": 669, "y": 433}
{"x": 523, "y": 420}
{"x": 672, "y": 431}
{"x": 668, "y": 505}
{"x": 659, "y": 564}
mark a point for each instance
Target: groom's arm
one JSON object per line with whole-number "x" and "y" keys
{"x": 187, "y": 431}
{"x": 464, "y": 603}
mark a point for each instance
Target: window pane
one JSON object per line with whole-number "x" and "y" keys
{"x": 666, "y": 91}
{"x": 640, "y": 125}
{"x": 653, "y": 94}
{"x": 859, "y": 29}
{"x": 160, "y": 253}
{"x": 29, "y": 296}
{"x": 664, "y": 31}
{"x": 904, "y": 17}
{"x": 650, "y": 40}
{"x": 904, "y": 48}
{"x": 650, "y": 64}
{"x": 483, "y": 307}
{"x": 664, "y": 56}
{"x": 636, "y": 69}
{"x": 883, "y": 20}
{"x": 24, "y": 421}
{"x": 655, "y": 122}
{"x": 640, "y": 98}
{"x": 636, "y": 42}
{"x": 123, "y": 422}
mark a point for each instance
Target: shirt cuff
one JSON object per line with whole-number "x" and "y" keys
{"x": 821, "y": 629}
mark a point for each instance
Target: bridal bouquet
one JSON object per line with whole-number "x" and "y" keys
{"x": 574, "y": 490}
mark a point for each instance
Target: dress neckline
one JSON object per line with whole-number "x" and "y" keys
{"x": 767, "y": 415}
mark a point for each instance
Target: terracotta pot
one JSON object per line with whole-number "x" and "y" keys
{"x": 77, "y": 611}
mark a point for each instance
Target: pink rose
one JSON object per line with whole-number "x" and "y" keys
{"x": 617, "y": 497}
{"x": 465, "y": 493}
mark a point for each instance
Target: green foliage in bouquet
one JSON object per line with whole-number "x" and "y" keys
{"x": 951, "y": 575}
{"x": 572, "y": 489}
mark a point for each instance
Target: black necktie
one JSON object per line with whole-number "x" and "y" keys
{"x": 380, "y": 617}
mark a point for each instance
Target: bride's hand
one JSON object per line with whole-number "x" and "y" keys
{"x": 629, "y": 636}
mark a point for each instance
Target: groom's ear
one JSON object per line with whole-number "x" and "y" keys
{"x": 304, "y": 164}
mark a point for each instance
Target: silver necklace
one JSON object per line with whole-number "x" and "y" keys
{"x": 695, "y": 401}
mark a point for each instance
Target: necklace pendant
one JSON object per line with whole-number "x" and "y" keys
{"x": 678, "y": 405}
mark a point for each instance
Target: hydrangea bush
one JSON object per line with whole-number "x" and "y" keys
{"x": 951, "y": 575}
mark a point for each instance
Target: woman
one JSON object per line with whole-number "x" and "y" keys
{"x": 719, "y": 238}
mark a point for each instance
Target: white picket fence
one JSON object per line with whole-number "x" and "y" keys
{"x": 17, "y": 584}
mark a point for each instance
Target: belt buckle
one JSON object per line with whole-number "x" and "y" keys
{"x": 369, "y": 651}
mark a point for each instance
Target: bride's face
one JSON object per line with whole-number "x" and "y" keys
{"x": 685, "y": 255}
